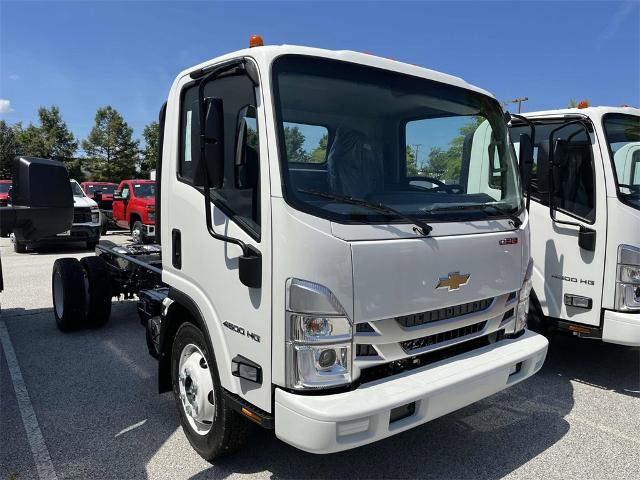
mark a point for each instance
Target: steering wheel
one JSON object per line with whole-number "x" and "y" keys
{"x": 440, "y": 186}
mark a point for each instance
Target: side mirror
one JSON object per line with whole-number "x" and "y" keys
{"x": 247, "y": 163}
{"x": 587, "y": 239}
{"x": 117, "y": 196}
{"x": 41, "y": 197}
{"x": 543, "y": 172}
{"x": 526, "y": 159}
{"x": 211, "y": 152}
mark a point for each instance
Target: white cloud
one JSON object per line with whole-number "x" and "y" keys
{"x": 14, "y": 76}
{"x": 5, "y": 106}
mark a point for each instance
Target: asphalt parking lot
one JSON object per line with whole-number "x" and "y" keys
{"x": 94, "y": 403}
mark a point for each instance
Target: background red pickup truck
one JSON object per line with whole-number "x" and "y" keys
{"x": 102, "y": 193}
{"x": 134, "y": 207}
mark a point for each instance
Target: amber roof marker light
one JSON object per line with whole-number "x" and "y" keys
{"x": 256, "y": 41}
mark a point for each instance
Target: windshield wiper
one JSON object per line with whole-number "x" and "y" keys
{"x": 513, "y": 218}
{"x": 420, "y": 227}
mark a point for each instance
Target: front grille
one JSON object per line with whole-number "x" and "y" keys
{"x": 418, "y": 343}
{"x": 81, "y": 215}
{"x": 444, "y": 313}
{"x": 364, "y": 350}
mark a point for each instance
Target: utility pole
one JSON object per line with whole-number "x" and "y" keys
{"x": 519, "y": 101}
{"x": 416, "y": 148}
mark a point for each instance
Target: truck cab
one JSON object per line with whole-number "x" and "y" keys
{"x": 102, "y": 194}
{"x": 327, "y": 267}
{"x": 134, "y": 206}
{"x": 585, "y": 215}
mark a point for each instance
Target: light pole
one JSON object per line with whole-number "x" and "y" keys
{"x": 519, "y": 101}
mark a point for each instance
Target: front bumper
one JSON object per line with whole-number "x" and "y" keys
{"x": 621, "y": 328}
{"x": 78, "y": 233}
{"x": 332, "y": 423}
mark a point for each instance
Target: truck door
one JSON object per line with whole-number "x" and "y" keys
{"x": 238, "y": 317}
{"x": 120, "y": 205}
{"x": 568, "y": 278}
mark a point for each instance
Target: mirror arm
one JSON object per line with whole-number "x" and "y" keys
{"x": 202, "y": 80}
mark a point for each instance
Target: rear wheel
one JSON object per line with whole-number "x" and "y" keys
{"x": 69, "y": 294}
{"x": 212, "y": 428}
{"x": 99, "y": 291}
{"x": 137, "y": 231}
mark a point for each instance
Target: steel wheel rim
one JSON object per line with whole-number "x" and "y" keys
{"x": 195, "y": 387}
{"x": 137, "y": 235}
{"x": 58, "y": 295}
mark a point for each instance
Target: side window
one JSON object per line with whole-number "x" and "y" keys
{"x": 575, "y": 182}
{"x": 306, "y": 143}
{"x": 239, "y": 196}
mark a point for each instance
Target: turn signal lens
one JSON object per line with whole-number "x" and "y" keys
{"x": 256, "y": 41}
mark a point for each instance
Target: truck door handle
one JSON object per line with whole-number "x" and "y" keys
{"x": 176, "y": 249}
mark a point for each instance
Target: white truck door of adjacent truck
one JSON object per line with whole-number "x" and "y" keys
{"x": 560, "y": 265}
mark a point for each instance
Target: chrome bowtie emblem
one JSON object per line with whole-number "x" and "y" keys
{"x": 453, "y": 281}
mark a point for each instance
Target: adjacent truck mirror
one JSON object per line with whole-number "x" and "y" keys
{"x": 543, "y": 174}
{"x": 42, "y": 200}
{"x": 526, "y": 159}
{"x": 247, "y": 165}
{"x": 210, "y": 144}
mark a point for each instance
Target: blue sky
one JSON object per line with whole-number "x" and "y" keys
{"x": 83, "y": 55}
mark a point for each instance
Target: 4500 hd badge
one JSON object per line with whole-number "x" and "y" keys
{"x": 235, "y": 328}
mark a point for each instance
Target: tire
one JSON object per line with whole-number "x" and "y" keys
{"x": 68, "y": 289}
{"x": 136, "y": 232}
{"x": 99, "y": 301}
{"x": 91, "y": 245}
{"x": 104, "y": 228}
{"x": 227, "y": 431}
{"x": 19, "y": 247}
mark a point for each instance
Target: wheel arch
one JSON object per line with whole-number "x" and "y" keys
{"x": 133, "y": 217}
{"x": 183, "y": 309}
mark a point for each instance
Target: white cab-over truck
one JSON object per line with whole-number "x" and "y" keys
{"x": 311, "y": 273}
{"x": 585, "y": 218}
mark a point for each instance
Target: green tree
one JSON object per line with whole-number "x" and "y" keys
{"x": 572, "y": 103}
{"x": 8, "y": 149}
{"x": 110, "y": 148}
{"x": 294, "y": 142}
{"x": 51, "y": 138}
{"x": 412, "y": 162}
{"x": 151, "y": 134}
{"x": 319, "y": 154}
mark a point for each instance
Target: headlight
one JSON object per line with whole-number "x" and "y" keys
{"x": 319, "y": 337}
{"x": 151, "y": 216}
{"x": 522, "y": 310}
{"x": 95, "y": 215}
{"x": 628, "y": 278}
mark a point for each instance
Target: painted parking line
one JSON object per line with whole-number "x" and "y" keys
{"x": 39, "y": 450}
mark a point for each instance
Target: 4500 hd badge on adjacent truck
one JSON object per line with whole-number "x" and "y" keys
{"x": 312, "y": 273}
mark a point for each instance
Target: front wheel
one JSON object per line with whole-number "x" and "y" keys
{"x": 19, "y": 247}
{"x": 212, "y": 428}
{"x": 136, "y": 232}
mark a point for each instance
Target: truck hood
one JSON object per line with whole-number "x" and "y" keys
{"x": 401, "y": 276}
{"x": 83, "y": 202}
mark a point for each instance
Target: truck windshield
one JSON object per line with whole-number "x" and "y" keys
{"x": 101, "y": 188}
{"x": 4, "y": 187}
{"x": 414, "y": 145}
{"x": 623, "y": 139}
{"x": 76, "y": 189}
{"x": 143, "y": 190}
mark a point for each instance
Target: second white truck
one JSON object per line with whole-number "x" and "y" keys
{"x": 585, "y": 221}
{"x": 315, "y": 274}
